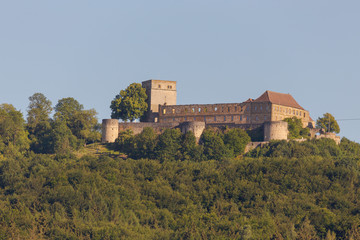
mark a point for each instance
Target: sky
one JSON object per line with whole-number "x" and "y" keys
{"x": 218, "y": 51}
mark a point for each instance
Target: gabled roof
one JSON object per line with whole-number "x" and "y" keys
{"x": 278, "y": 98}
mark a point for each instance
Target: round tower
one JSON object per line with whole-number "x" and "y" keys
{"x": 275, "y": 130}
{"x": 196, "y": 127}
{"x": 110, "y": 130}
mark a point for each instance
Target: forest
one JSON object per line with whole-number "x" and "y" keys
{"x": 58, "y": 182}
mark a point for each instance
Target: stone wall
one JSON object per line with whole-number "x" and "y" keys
{"x": 239, "y": 113}
{"x": 137, "y": 127}
{"x": 329, "y": 135}
{"x": 275, "y": 130}
{"x": 159, "y": 92}
{"x": 110, "y": 130}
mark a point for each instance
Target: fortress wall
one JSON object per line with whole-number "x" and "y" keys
{"x": 137, "y": 127}
{"x": 330, "y": 135}
{"x": 240, "y": 113}
{"x": 280, "y": 112}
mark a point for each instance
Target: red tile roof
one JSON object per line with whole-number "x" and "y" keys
{"x": 278, "y": 98}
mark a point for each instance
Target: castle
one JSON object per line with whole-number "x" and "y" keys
{"x": 266, "y": 111}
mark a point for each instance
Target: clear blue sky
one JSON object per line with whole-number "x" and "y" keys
{"x": 217, "y": 51}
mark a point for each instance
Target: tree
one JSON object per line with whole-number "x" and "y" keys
{"x": 236, "y": 140}
{"x": 295, "y": 128}
{"x": 328, "y": 123}
{"x": 214, "y": 147}
{"x": 13, "y": 136}
{"x": 82, "y": 123}
{"x": 39, "y": 109}
{"x": 38, "y": 123}
{"x": 130, "y": 104}
{"x": 169, "y": 145}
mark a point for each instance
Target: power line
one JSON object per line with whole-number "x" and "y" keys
{"x": 348, "y": 119}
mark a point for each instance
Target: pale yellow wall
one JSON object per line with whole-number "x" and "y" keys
{"x": 279, "y": 112}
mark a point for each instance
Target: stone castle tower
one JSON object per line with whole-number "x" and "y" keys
{"x": 159, "y": 92}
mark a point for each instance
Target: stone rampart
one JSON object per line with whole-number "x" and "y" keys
{"x": 137, "y": 127}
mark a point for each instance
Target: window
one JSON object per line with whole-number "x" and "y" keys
{"x": 297, "y": 113}
{"x": 257, "y": 118}
{"x": 235, "y": 109}
{"x": 205, "y": 109}
{"x": 164, "y": 111}
{"x": 199, "y": 109}
{"x": 232, "y": 118}
{"x": 159, "y": 86}
{"x": 173, "y": 119}
{"x": 265, "y": 118}
{"x": 215, "y": 108}
{"x": 293, "y": 112}
{"x": 228, "y": 109}
{"x": 304, "y": 114}
{"x": 215, "y": 118}
{"x": 222, "y": 109}
{"x": 193, "y": 110}
{"x": 260, "y": 107}
{"x": 240, "y": 117}
{"x": 255, "y": 108}
{"x": 173, "y": 110}
{"x": 185, "y": 118}
{"x": 204, "y": 119}
{"x": 224, "y": 118}
{"x": 194, "y": 118}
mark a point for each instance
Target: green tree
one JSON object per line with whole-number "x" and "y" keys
{"x": 39, "y": 123}
{"x": 13, "y": 136}
{"x": 328, "y": 123}
{"x": 295, "y": 128}
{"x": 62, "y": 139}
{"x": 82, "y": 123}
{"x": 169, "y": 144}
{"x": 143, "y": 145}
{"x": 214, "y": 147}
{"x": 130, "y": 104}
{"x": 236, "y": 140}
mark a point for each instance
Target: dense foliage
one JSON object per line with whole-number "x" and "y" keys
{"x": 296, "y": 130}
{"x": 328, "y": 123}
{"x": 71, "y": 127}
{"x": 129, "y": 104}
{"x": 168, "y": 186}
{"x": 172, "y": 145}
{"x": 98, "y": 197}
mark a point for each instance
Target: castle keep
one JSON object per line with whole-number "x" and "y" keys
{"x": 266, "y": 111}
